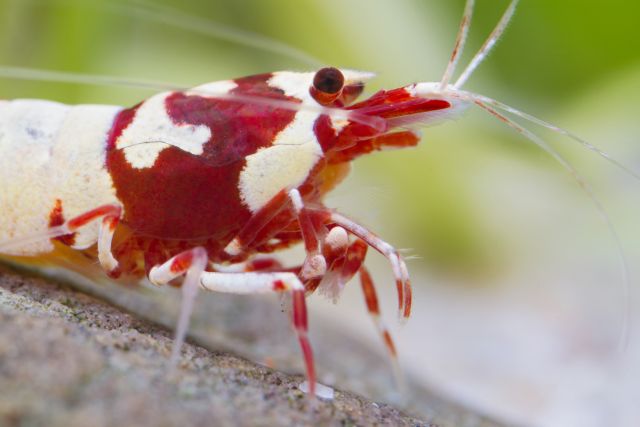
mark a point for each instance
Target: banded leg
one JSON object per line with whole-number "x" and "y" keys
{"x": 345, "y": 260}
{"x": 334, "y": 248}
{"x": 315, "y": 264}
{"x": 260, "y": 222}
{"x": 257, "y": 282}
{"x": 399, "y": 268}
{"x": 373, "y": 307}
{"x": 192, "y": 262}
{"x": 105, "y": 237}
{"x": 349, "y": 262}
{"x": 110, "y": 215}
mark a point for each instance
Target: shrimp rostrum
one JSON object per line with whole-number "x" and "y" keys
{"x": 203, "y": 185}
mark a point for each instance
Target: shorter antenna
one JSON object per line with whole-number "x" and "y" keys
{"x": 488, "y": 45}
{"x": 461, "y": 39}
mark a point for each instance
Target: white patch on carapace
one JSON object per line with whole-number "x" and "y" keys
{"x": 153, "y": 131}
{"x": 48, "y": 152}
{"x": 298, "y": 85}
{"x": 294, "y": 152}
{"x": 221, "y": 87}
{"x": 282, "y": 166}
{"x": 294, "y": 84}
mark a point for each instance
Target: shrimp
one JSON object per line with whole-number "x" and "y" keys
{"x": 204, "y": 184}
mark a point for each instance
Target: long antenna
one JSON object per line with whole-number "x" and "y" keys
{"x": 374, "y": 122}
{"x": 33, "y": 74}
{"x": 461, "y": 39}
{"x": 488, "y": 45}
{"x": 623, "y": 337}
{"x": 586, "y": 144}
{"x": 196, "y": 24}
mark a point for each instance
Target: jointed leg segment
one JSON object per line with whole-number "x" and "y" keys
{"x": 258, "y": 282}
{"x": 192, "y": 262}
{"x": 315, "y": 264}
{"x": 398, "y": 265}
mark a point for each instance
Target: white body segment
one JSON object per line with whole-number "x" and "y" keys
{"x": 153, "y": 131}
{"x": 50, "y": 152}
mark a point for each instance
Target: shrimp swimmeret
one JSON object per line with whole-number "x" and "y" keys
{"x": 204, "y": 184}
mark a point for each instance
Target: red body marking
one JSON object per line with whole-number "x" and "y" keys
{"x": 56, "y": 217}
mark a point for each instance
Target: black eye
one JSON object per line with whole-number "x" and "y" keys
{"x": 328, "y": 80}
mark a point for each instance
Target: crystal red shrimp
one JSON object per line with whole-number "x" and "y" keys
{"x": 204, "y": 183}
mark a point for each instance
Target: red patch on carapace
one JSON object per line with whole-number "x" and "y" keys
{"x": 120, "y": 123}
{"x": 196, "y": 197}
{"x": 325, "y": 133}
{"x": 56, "y": 217}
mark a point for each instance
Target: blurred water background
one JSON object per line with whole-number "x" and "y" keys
{"x": 519, "y": 295}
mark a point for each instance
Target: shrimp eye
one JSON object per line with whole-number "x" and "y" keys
{"x": 328, "y": 80}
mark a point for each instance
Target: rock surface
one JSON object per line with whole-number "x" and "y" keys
{"x": 68, "y": 359}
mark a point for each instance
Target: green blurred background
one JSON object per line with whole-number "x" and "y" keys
{"x": 552, "y": 54}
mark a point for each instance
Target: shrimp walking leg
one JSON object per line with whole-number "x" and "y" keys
{"x": 105, "y": 237}
{"x": 403, "y": 284}
{"x": 192, "y": 263}
{"x": 260, "y": 223}
{"x": 110, "y": 215}
{"x": 341, "y": 271}
{"x": 398, "y": 265}
{"x": 373, "y": 307}
{"x": 315, "y": 265}
{"x": 258, "y": 282}
{"x": 334, "y": 248}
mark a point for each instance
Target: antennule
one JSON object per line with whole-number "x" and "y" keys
{"x": 488, "y": 45}
{"x": 461, "y": 40}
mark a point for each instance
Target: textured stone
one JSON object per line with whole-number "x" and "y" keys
{"x": 69, "y": 359}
